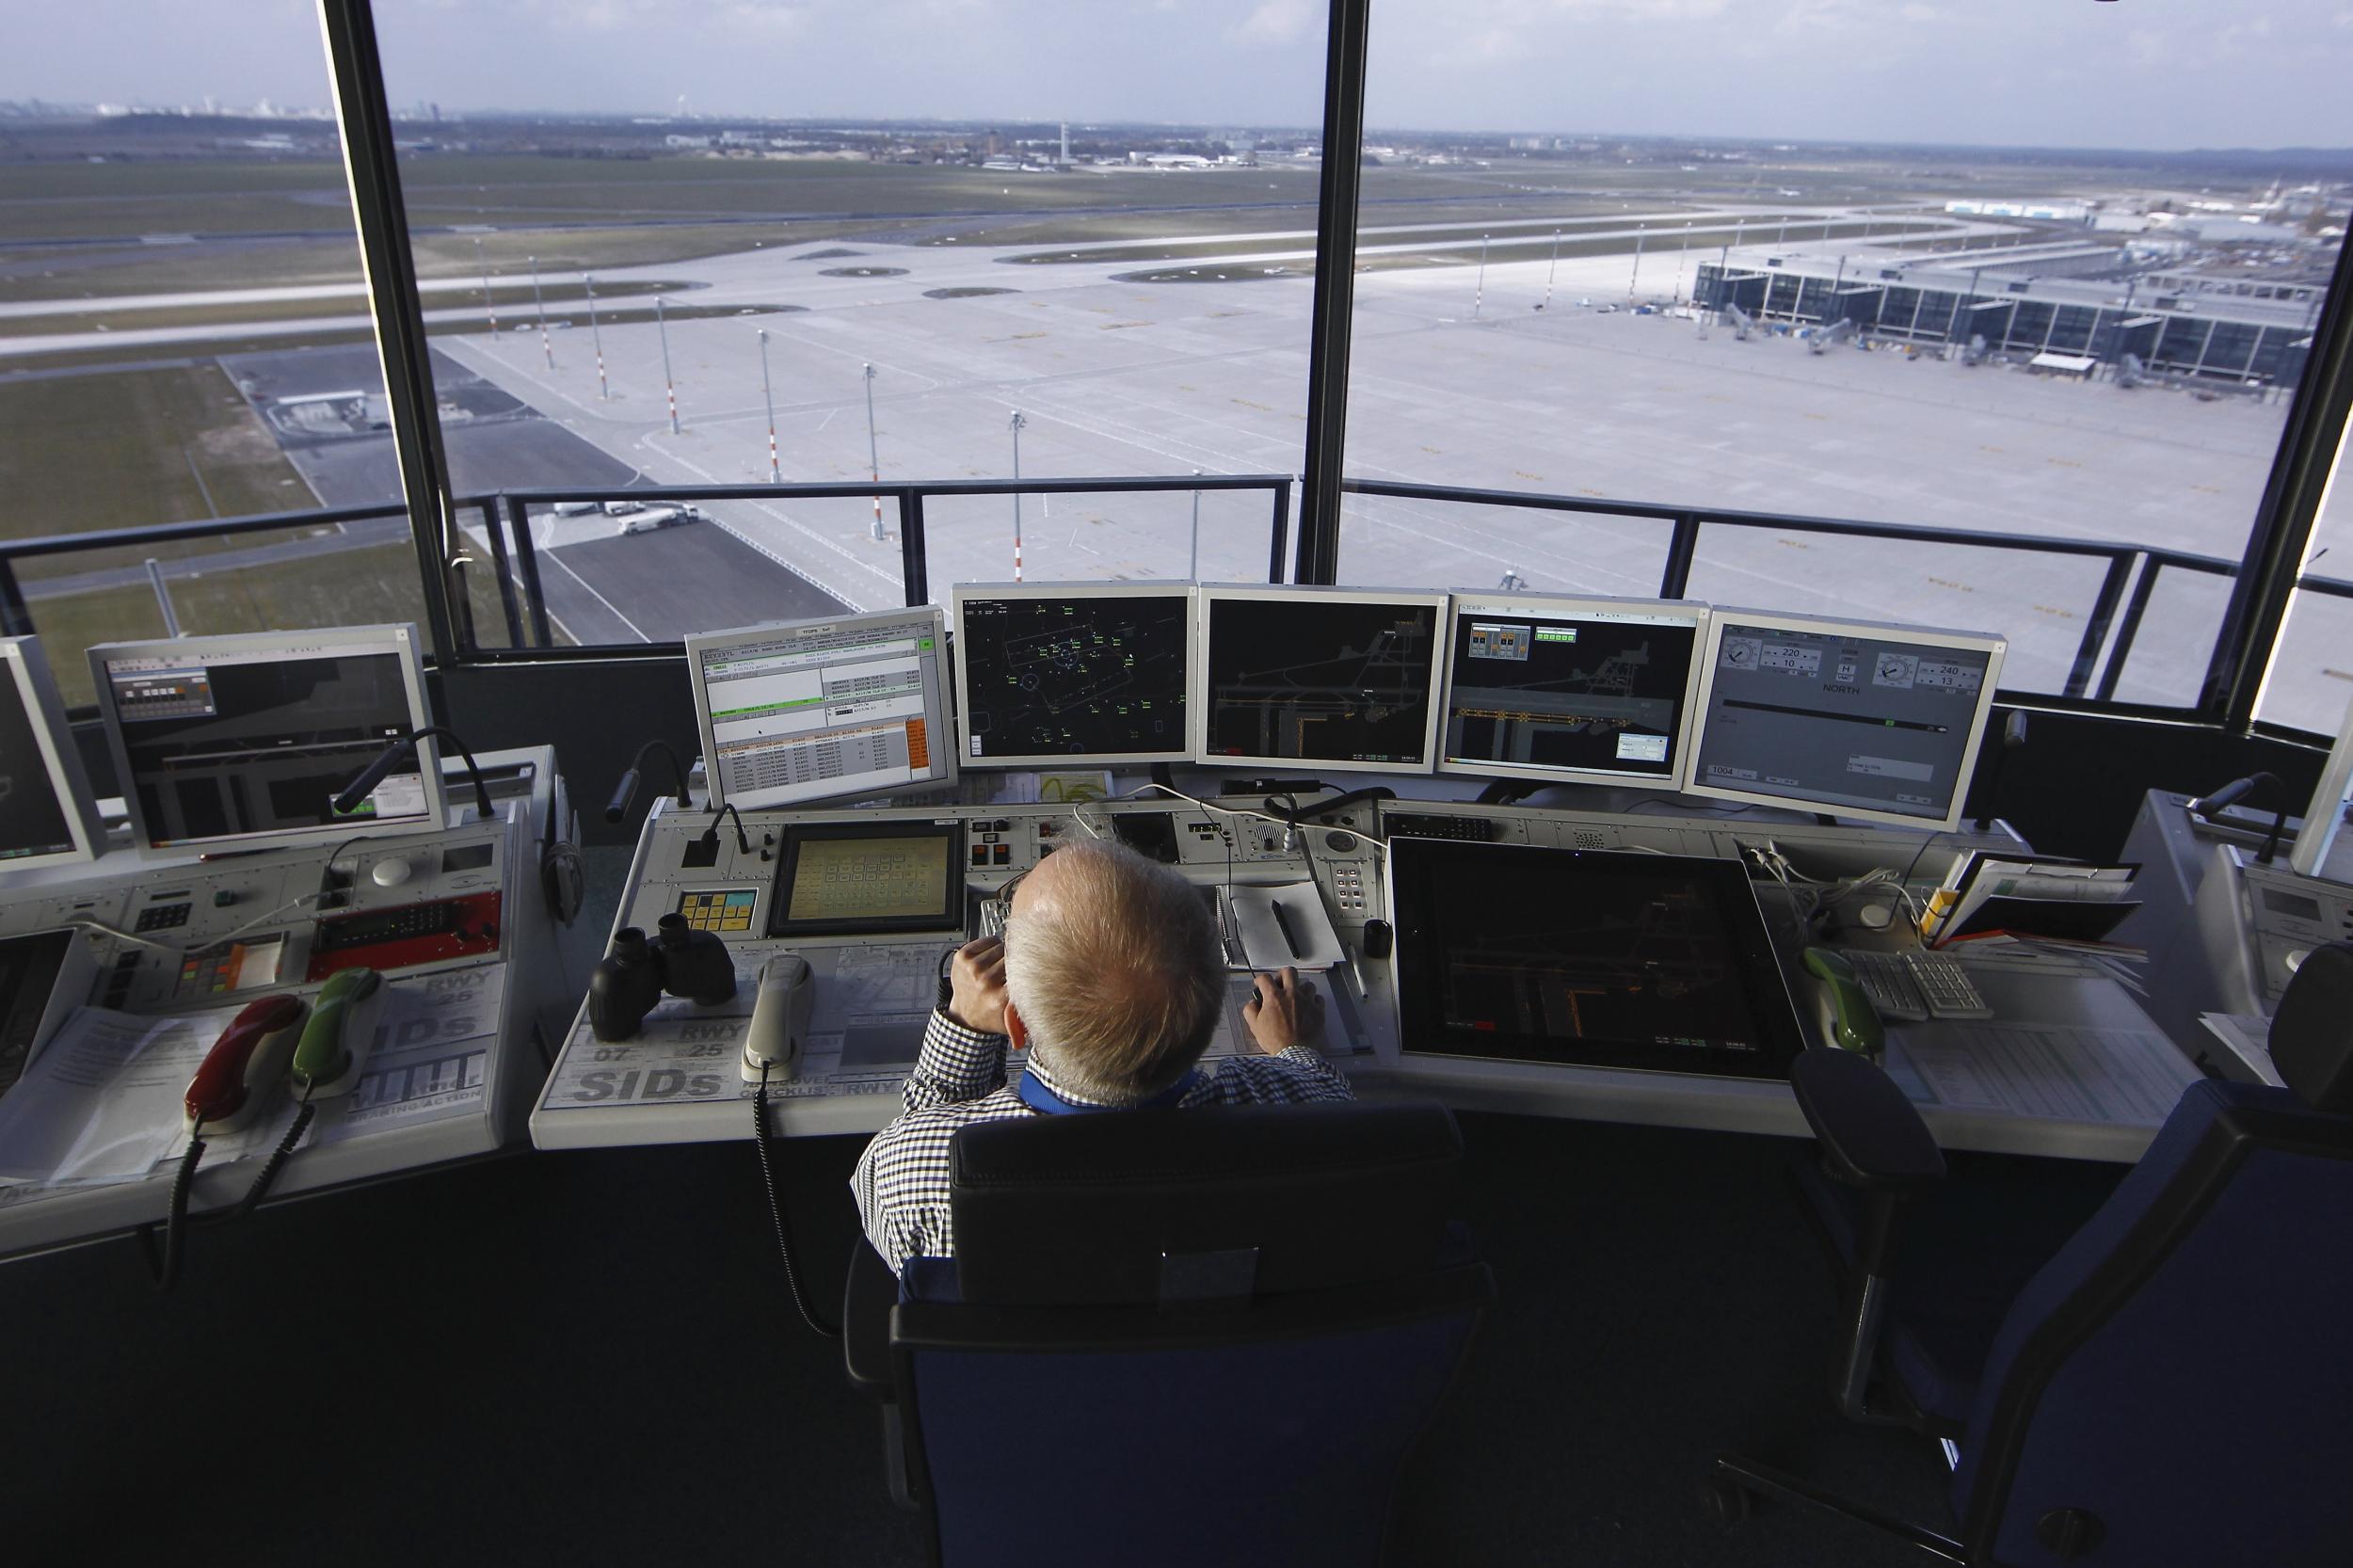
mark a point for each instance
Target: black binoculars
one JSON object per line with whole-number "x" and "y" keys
{"x": 631, "y": 979}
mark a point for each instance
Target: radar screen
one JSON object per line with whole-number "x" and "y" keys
{"x": 1572, "y": 694}
{"x": 1074, "y": 676}
{"x": 867, "y": 876}
{"x": 1312, "y": 678}
{"x": 1656, "y": 962}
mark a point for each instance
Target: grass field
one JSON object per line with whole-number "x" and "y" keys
{"x": 515, "y": 302}
{"x": 355, "y": 587}
{"x": 132, "y": 448}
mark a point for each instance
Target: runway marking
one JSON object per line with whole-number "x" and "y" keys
{"x": 599, "y": 597}
{"x": 647, "y": 441}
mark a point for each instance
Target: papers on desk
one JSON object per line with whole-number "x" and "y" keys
{"x": 1284, "y": 924}
{"x": 2248, "y": 1035}
{"x": 103, "y": 1101}
{"x": 2124, "y": 1077}
{"x": 2048, "y": 898}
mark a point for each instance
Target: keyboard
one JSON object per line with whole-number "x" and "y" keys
{"x": 1912, "y": 988}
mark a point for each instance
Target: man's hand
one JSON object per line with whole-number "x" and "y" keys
{"x": 1284, "y": 1013}
{"x": 977, "y": 978}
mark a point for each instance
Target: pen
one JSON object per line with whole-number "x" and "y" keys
{"x": 1284, "y": 926}
{"x": 1348, "y": 956}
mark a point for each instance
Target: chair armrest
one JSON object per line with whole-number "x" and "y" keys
{"x": 1872, "y": 1137}
{"x": 867, "y": 1299}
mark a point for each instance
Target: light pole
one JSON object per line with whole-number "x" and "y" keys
{"x": 1015, "y": 426}
{"x": 1194, "y": 573}
{"x": 1681, "y": 257}
{"x": 1549, "y": 271}
{"x": 663, "y": 326}
{"x": 539, "y": 306}
{"x": 776, "y": 475}
{"x": 873, "y": 457}
{"x": 604, "y": 387}
{"x": 489, "y": 305}
{"x": 1630, "y": 282}
{"x": 1478, "y": 294}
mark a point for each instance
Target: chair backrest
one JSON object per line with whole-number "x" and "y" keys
{"x": 2175, "y": 1386}
{"x": 1165, "y": 1206}
{"x": 1190, "y": 1337}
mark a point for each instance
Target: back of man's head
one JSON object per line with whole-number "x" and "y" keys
{"x": 1112, "y": 962}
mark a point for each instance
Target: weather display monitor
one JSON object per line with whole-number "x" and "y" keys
{"x": 1571, "y": 690}
{"x": 246, "y": 740}
{"x": 1345, "y": 677}
{"x": 1058, "y": 673}
{"x": 1877, "y": 722}
{"x": 46, "y": 814}
{"x": 1588, "y": 957}
{"x": 863, "y": 876}
{"x": 814, "y": 710}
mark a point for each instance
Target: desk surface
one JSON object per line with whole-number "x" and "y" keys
{"x": 2075, "y": 1067}
{"x": 453, "y": 1068}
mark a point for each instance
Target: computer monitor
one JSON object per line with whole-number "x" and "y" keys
{"x": 1599, "y": 958}
{"x": 1570, "y": 691}
{"x": 2325, "y": 813}
{"x": 47, "y": 816}
{"x": 796, "y": 712}
{"x": 1853, "y": 717}
{"x": 1067, "y": 673}
{"x": 1342, "y": 678}
{"x": 244, "y": 742}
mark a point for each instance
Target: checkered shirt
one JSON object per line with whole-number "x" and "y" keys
{"x": 959, "y": 1079}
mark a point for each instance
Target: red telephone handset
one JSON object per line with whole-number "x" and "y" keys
{"x": 251, "y": 1054}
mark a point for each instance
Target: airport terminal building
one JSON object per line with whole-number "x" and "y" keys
{"x": 2020, "y": 300}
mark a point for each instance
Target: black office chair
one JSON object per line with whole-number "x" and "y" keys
{"x": 2174, "y": 1384}
{"x": 1174, "y": 1337}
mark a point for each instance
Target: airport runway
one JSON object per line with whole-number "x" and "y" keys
{"x": 1124, "y": 379}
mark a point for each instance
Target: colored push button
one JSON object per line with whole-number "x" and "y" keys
{"x": 1004, "y": 855}
{"x": 980, "y": 854}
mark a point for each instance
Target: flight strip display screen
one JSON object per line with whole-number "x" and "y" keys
{"x": 834, "y": 877}
{"x": 1599, "y": 958}
{"x": 32, "y": 807}
{"x": 1074, "y": 676}
{"x": 1305, "y": 677}
{"x": 816, "y": 710}
{"x": 1866, "y": 720}
{"x": 1584, "y": 693}
{"x": 225, "y": 743}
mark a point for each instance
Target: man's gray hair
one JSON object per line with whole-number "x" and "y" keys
{"x": 1114, "y": 965}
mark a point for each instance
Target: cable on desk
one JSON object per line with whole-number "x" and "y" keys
{"x": 166, "y": 1271}
{"x": 775, "y": 1211}
{"x": 260, "y": 1190}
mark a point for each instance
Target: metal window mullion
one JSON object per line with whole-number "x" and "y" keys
{"x": 364, "y": 119}
{"x": 1339, "y": 189}
{"x": 2284, "y": 521}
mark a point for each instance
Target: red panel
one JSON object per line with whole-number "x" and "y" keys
{"x": 476, "y": 916}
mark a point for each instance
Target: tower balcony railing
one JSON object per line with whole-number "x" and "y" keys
{"x": 500, "y": 604}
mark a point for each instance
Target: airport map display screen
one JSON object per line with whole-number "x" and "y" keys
{"x": 225, "y": 743}
{"x": 836, "y": 877}
{"x": 1590, "y": 691}
{"x": 852, "y": 706}
{"x": 32, "y": 817}
{"x": 1867, "y": 721}
{"x": 1308, "y": 678}
{"x": 1589, "y": 957}
{"x": 1052, "y": 679}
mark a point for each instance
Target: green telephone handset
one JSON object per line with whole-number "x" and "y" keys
{"x": 1846, "y": 1015}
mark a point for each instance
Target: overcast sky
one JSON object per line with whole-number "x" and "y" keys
{"x": 2143, "y": 73}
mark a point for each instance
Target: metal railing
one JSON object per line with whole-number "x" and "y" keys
{"x": 506, "y": 520}
{"x": 2128, "y": 583}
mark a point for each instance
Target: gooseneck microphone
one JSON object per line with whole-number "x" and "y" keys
{"x": 2209, "y": 807}
{"x": 364, "y": 786}
{"x": 625, "y": 791}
